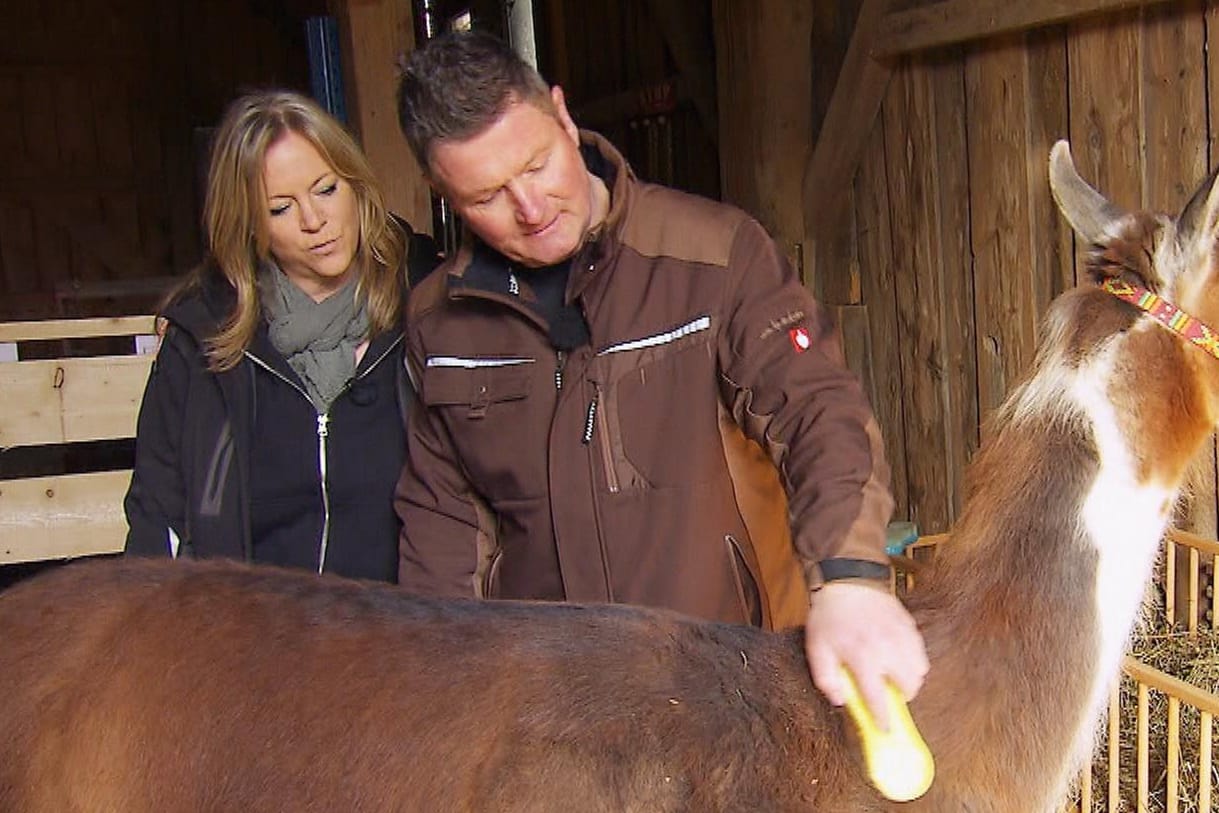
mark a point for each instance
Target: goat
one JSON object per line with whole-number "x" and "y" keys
{"x": 210, "y": 686}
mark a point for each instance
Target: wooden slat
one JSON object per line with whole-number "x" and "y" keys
{"x": 921, "y": 287}
{"x": 1142, "y": 746}
{"x": 766, "y": 69}
{"x": 849, "y": 119}
{"x": 1106, "y": 96}
{"x": 1174, "y": 112}
{"x": 953, "y": 261}
{"x": 1202, "y": 700}
{"x": 76, "y": 328}
{"x": 878, "y": 291}
{"x": 1115, "y": 760}
{"x": 62, "y": 517}
{"x": 1172, "y": 785}
{"x": 1206, "y": 744}
{"x": 1207, "y": 547}
{"x": 1007, "y": 309}
{"x": 71, "y": 400}
{"x": 956, "y": 21}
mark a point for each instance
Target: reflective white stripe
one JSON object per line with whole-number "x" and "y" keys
{"x": 175, "y": 544}
{"x": 699, "y": 324}
{"x": 470, "y": 364}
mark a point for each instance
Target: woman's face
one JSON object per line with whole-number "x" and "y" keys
{"x": 312, "y": 216}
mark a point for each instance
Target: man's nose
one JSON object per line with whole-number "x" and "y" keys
{"x": 530, "y": 202}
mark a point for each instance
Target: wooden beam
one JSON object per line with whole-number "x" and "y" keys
{"x": 950, "y": 22}
{"x": 374, "y": 34}
{"x": 852, "y": 111}
{"x": 44, "y": 330}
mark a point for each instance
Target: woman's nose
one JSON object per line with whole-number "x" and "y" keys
{"x": 312, "y": 218}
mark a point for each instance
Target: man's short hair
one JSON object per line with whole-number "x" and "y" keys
{"x": 458, "y": 85}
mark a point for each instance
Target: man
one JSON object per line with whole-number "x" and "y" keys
{"x": 601, "y": 367}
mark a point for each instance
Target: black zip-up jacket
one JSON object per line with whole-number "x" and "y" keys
{"x": 239, "y": 464}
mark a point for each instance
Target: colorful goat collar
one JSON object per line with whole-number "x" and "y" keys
{"x": 1166, "y": 313}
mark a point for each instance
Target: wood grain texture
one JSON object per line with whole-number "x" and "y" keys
{"x": 62, "y": 517}
{"x": 949, "y": 22}
{"x": 71, "y": 400}
{"x": 879, "y": 291}
{"x": 374, "y": 34}
{"x": 764, "y": 72}
{"x": 910, "y": 149}
{"x": 851, "y": 113}
{"x": 1174, "y": 93}
{"x": 1007, "y": 307}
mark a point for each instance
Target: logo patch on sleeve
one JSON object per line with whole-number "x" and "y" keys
{"x": 800, "y": 339}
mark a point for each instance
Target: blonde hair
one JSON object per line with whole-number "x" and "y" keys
{"x": 235, "y": 212}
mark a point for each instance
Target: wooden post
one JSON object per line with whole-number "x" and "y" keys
{"x": 765, "y": 74}
{"x": 374, "y": 34}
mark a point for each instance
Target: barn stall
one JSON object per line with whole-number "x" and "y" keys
{"x": 896, "y": 150}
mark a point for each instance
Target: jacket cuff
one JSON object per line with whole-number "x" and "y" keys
{"x": 845, "y": 569}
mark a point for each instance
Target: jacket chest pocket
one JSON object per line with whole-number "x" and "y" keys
{"x": 473, "y": 391}
{"x": 660, "y": 409}
{"x": 498, "y": 432}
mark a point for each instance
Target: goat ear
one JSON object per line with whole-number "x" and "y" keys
{"x": 1089, "y": 212}
{"x": 1200, "y": 218}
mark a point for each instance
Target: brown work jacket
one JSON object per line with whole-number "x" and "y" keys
{"x": 650, "y": 465}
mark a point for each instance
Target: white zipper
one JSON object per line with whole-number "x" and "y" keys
{"x": 323, "y": 432}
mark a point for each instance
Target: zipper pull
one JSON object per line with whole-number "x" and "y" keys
{"x": 558, "y": 370}
{"x": 590, "y": 421}
{"x": 323, "y": 425}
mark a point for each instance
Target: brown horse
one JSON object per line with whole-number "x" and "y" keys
{"x": 138, "y": 686}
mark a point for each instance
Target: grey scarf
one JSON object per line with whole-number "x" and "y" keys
{"x": 318, "y": 339}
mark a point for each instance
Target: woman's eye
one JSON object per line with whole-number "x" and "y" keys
{"x": 329, "y": 189}
{"x": 276, "y": 211}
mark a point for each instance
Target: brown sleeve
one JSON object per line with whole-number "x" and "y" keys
{"x": 789, "y": 389}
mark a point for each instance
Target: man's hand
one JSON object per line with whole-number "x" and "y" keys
{"x": 868, "y": 631}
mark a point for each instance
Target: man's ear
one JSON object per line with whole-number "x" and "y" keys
{"x": 560, "y": 108}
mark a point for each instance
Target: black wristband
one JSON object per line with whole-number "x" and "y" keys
{"x": 835, "y": 569}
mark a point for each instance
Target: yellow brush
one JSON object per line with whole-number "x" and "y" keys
{"x": 899, "y": 762}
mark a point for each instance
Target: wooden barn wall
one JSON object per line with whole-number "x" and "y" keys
{"x": 99, "y": 153}
{"x": 954, "y": 239}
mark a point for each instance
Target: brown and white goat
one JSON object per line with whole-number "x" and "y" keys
{"x": 140, "y": 686}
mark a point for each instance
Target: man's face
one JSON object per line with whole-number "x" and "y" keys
{"x": 521, "y": 184}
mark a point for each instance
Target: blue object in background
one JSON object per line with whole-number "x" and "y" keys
{"x": 899, "y": 536}
{"x": 325, "y": 65}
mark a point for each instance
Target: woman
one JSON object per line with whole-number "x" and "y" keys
{"x": 271, "y": 428}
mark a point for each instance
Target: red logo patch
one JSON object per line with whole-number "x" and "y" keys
{"x": 800, "y": 339}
